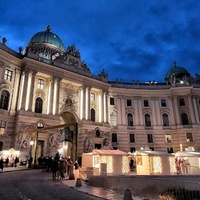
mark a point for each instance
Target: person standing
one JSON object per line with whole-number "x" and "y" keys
{"x": 1, "y": 164}
{"x": 54, "y": 168}
{"x": 62, "y": 169}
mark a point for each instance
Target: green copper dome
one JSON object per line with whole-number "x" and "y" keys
{"x": 176, "y": 71}
{"x": 47, "y": 37}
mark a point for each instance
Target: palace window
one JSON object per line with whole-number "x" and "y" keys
{"x": 146, "y": 103}
{"x": 2, "y": 127}
{"x": 4, "y": 101}
{"x": 147, "y": 120}
{"x": 168, "y": 138}
{"x": 132, "y": 138}
{"x": 38, "y": 105}
{"x": 92, "y": 96}
{"x": 114, "y": 137}
{"x": 93, "y": 114}
{"x": 149, "y": 138}
{"x": 40, "y": 83}
{"x": 189, "y": 137}
{"x": 112, "y": 101}
{"x": 128, "y": 102}
{"x": 130, "y": 119}
{"x": 8, "y": 75}
{"x": 184, "y": 119}
{"x": 163, "y": 103}
{"x": 113, "y": 119}
{"x": 182, "y": 102}
{"x": 165, "y": 119}
{"x": 1, "y": 145}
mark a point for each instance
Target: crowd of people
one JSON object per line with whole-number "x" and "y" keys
{"x": 59, "y": 166}
{"x": 9, "y": 161}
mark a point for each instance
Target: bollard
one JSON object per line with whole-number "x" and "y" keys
{"x": 127, "y": 194}
{"x": 78, "y": 182}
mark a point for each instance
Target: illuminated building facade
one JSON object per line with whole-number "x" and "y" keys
{"x": 49, "y": 95}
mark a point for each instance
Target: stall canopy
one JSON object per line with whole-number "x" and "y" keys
{"x": 154, "y": 162}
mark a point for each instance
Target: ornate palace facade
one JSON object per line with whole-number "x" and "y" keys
{"x": 50, "y": 97}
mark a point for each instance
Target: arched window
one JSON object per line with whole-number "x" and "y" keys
{"x": 98, "y": 134}
{"x": 4, "y": 101}
{"x": 130, "y": 119}
{"x": 147, "y": 120}
{"x": 38, "y": 105}
{"x": 184, "y": 119}
{"x": 165, "y": 119}
{"x": 93, "y": 115}
{"x": 113, "y": 119}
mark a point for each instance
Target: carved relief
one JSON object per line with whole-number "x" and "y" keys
{"x": 1, "y": 63}
{"x": 54, "y": 141}
{"x": 70, "y": 93}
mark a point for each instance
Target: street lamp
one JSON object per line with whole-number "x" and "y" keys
{"x": 31, "y": 158}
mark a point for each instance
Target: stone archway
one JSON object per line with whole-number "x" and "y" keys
{"x": 68, "y": 144}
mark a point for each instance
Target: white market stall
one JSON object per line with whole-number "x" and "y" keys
{"x": 188, "y": 162}
{"x": 106, "y": 161}
{"x": 154, "y": 163}
{"x": 10, "y": 154}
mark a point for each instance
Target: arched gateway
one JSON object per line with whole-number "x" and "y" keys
{"x": 68, "y": 136}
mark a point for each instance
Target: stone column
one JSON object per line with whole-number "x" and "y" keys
{"x": 191, "y": 111}
{"x": 158, "y": 114}
{"x": 57, "y": 100}
{"x": 106, "y": 106}
{"x": 103, "y": 106}
{"x": 154, "y": 117}
{"x": 123, "y": 110}
{"x": 81, "y": 105}
{"x": 172, "y": 111}
{"x": 32, "y": 82}
{"x": 176, "y": 111}
{"x": 84, "y": 102}
{"x": 136, "y": 117}
{"x": 195, "y": 109}
{"x": 51, "y": 95}
{"x": 25, "y": 91}
{"x": 15, "y": 91}
{"x": 140, "y": 108}
{"x": 100, "y": 106}
{"x": 88, "y": 103}
{"x": 119, "y": 110}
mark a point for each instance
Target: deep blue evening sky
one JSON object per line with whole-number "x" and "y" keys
{"x": 130, "y": 39}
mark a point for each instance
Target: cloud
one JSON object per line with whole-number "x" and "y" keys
{"x": 127, "y": 38}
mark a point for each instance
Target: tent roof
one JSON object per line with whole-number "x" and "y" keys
{"x": 187, "y": 153}
{"x": 109, "y": 152}
{"x": 153, "y": 153}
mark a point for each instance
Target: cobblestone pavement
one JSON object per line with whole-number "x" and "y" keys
{"x": 85, "y": 188}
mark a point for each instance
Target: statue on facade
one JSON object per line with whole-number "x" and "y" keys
{"x": 71, "y": 50}
{"x": 103, "y": 74}
{"x": 4, "y": 40}
{"x": 88, "y": 144}
{"x": 107, "y": 144}
{"x": 54, "y": 141}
